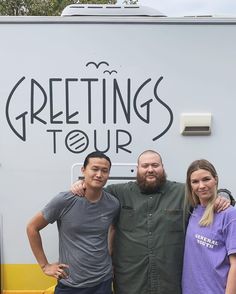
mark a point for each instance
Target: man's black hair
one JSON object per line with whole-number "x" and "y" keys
{"x": 96, "y": 154}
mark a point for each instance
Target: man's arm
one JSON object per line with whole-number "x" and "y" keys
{"x": 78, "y": 188}
{"x": 37, "y": 223}
{"x": 231, "y": 280}
{"x": 221, "y": 203}
{"x": 111, "y": 236}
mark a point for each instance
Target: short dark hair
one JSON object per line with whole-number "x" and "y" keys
{"x": 150, "y": 151}
{"x": 96, "y": 154}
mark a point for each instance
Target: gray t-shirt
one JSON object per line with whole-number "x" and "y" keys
{"x": 83, "y": 229}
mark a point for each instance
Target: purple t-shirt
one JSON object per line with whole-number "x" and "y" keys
{"x": 206, "y": 261}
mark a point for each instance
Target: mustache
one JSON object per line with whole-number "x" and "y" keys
{"x": 151, "y": 173}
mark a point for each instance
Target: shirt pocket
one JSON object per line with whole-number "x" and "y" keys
{"x": 127, "y": 218}
{"x": 174, "y": 234}
{"x": 175, "y": 220}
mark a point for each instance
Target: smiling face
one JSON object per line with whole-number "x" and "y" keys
{"x": 150, "y": 172}
{"x": 203, "y": 185}
{"x": 96, "y": 173}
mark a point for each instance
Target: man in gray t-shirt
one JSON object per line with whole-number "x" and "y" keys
{"x": 84, "y": 261}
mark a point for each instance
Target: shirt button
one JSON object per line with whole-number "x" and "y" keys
{"x": 150, "y": 233}
{"x": 150, "y": 214}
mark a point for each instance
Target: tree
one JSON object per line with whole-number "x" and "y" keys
{"x": 12, "y": 7}
{"x": 33, "y": 7}
{"x": 46, "y": 7}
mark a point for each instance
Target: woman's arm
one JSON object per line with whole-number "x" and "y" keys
{"x": 231, "y": 280}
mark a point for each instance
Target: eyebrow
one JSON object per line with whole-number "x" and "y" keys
{"x": 98, "y": 166}
{"x": 150, "y": 163}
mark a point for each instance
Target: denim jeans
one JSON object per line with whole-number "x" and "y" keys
{"x": 102, "y": 288}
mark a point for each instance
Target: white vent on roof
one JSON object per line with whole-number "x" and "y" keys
{"x": 109, "y": 10}
{"x": 195, "y": 124}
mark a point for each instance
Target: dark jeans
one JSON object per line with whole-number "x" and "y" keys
{"x": 102, "y": 288}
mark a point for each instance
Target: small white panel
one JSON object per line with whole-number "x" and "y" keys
{"x": 195, "y": 124}
{"x": 120, "y": 172}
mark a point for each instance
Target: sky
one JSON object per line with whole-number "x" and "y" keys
{"x": 192, "y": 7}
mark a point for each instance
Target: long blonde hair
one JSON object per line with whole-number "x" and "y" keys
{"x": 192, "y": 198}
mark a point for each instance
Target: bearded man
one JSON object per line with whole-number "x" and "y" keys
{"x": 149, "y": 235}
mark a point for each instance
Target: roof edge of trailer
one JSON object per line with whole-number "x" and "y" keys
{"x": 120, "y": 19}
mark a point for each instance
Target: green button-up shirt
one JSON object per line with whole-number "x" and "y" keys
{"x": 148, "y": 249}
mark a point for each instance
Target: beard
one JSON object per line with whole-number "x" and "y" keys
{"x": 151, "y": 187}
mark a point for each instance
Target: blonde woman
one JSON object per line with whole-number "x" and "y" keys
{"x": 210, "y": 245}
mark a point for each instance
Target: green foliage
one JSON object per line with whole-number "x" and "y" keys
{"x": 11, "y": 7}
{"x": 47, "y": 7}
{"x": 33, "y": 7}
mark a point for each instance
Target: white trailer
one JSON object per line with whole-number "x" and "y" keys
{"x": 119, "y": 84}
